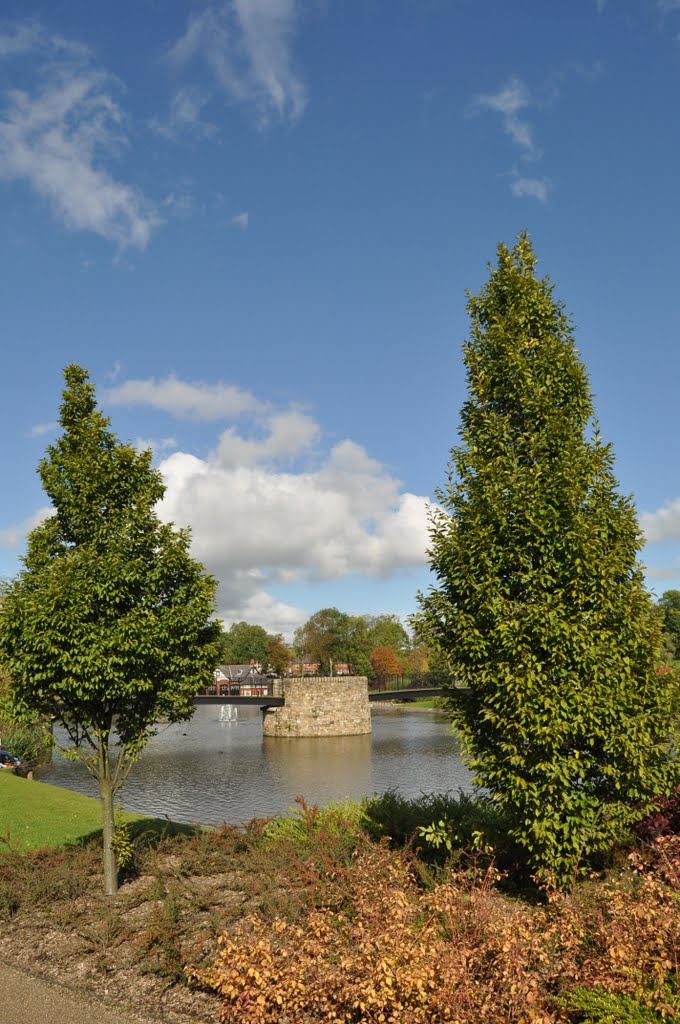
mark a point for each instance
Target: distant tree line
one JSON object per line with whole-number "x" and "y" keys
{"x": 377, "y": 646}
{"x": 669, "y": 606}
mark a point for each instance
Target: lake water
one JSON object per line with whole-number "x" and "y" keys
{"x": 211, "y": 771}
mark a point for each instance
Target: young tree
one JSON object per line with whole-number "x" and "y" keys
{"x": 108, "y": 625}
{"x": 541, "y": 606}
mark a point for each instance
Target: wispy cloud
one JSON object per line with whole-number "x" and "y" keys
{"x": 668, "y": 5}
{"x": 510, "y": 99}
{"x": 57, "y": 136}
{"x": 512, "y": 102}
{"x": 19, "y": 38}
{"x": 184, "y": 399}
{"x": 179, "y": 203}
{"x": 246, "y": 46}
{"x": 240, "y": 220}
{"x": 157, "y": 446}
{"x": 537, "y": 188}
{"x": 184, "y": 116}
{"x": 12, "y": 537}
{"x": 39, "y": 429}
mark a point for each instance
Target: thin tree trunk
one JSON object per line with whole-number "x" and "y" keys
{"x": 108, "y": 823}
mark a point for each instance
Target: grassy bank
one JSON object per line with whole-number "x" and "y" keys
{"x": 435, "y": 703}
{"x": 34, "y": 815}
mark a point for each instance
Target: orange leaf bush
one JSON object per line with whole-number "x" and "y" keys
{"x": 460, "y": 953}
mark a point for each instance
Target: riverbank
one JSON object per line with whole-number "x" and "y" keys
{"x": 35, "y": 815}
{"x": 423, "y": 704}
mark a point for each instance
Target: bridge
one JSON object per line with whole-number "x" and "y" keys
{"x": 269, "y": 701}
{"x": 313, "y": 706}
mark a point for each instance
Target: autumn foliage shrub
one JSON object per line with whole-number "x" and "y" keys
{"x": 664, "y": 820}
{"x": 385, "y": 950}
{"x": 43, "y": 877}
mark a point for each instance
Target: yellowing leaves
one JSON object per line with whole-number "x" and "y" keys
{"x": 460, "y": 952}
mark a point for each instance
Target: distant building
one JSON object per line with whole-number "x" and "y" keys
{"x": 311, "y": 668}
{"x": 303, "y": 668}
{"x": 238, "y": 680}
{"x": 237, "y": 673}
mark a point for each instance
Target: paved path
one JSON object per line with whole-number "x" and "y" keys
{"x": 28, "y": 1000}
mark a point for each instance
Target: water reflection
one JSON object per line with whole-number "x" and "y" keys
{"x": 210, "y": 771}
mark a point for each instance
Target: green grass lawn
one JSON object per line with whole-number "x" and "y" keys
{"x": 425, "y": 702}
{"x": 34, "y": 814}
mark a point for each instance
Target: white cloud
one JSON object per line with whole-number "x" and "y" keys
{"x": 272, "y": 506}
{"x": 511, "y": 98}
{"x": 115, "y": 370}
{"x": 668, "y": 5}
{"x": 664, "y": 524}
{"x": 179, "y": 203}
{"x": 537, "y": 188}
{"x": 290, "y": 434}
{"x": 13, "y": 537}
{"x": 163, "y": 444}
{"x": 41, "y": 428}
{"x": 254, "y": 525}
{"x": 184, "y": 116}
{"x": 56, "y": 136}
{"x": 662, "y": 572}
{"x": 240, "y": 220}
{"x": 183, "y": 399}
{"x": 511, "y": 101}
{"x": 267, "y": 507}
{"x": 261, "y": 609}
{"x": 20, "y": 38}
{"x": 246, "y": 45}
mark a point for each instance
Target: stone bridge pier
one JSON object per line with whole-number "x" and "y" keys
{"x": 319, "y": 706}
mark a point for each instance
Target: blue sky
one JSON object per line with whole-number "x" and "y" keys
{"x": 254, "y": 223}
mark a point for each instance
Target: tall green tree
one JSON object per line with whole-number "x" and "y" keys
{"x": 108, "y": 626}
{"x": 540, "y": 605}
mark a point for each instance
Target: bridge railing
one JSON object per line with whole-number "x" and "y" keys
{"x": 423, "y": 682}
{"x": 264, "y": 689}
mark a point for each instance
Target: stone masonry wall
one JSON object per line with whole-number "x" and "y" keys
{"x": 321, "y": 707}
